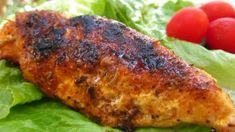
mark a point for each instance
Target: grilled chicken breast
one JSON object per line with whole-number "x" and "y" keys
{"x": 113, "y": 74}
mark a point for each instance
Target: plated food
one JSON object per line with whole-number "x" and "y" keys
{"x": 23, "y": 107}
{"x": 112, "y": 73}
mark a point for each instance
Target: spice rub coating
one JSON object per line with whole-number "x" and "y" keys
{"x": 112, "y": 73}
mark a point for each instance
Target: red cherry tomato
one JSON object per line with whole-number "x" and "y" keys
{"x": 190, "y": 24}
{"x": 221, "y": 34}
{"x": 218, "y": 9}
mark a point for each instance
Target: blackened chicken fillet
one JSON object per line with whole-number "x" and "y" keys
{"x": 113, "y": 74}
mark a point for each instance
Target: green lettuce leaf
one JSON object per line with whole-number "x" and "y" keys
{"x": 146, "y": 16}
{"x": 48, "y": 116}
{"x": 72, "y": 7}
{"x": 68, "y": 8}
{"x": 14, "y": 89}
{"x": 179, "y": 128}
{"x": 220, "y": 64}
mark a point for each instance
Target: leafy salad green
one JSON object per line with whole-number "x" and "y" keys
{"x": 13, "y": 89}
{"x": 146, "y": 16}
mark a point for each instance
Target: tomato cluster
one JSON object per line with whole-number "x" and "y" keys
{"x": 213, "y": 22}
